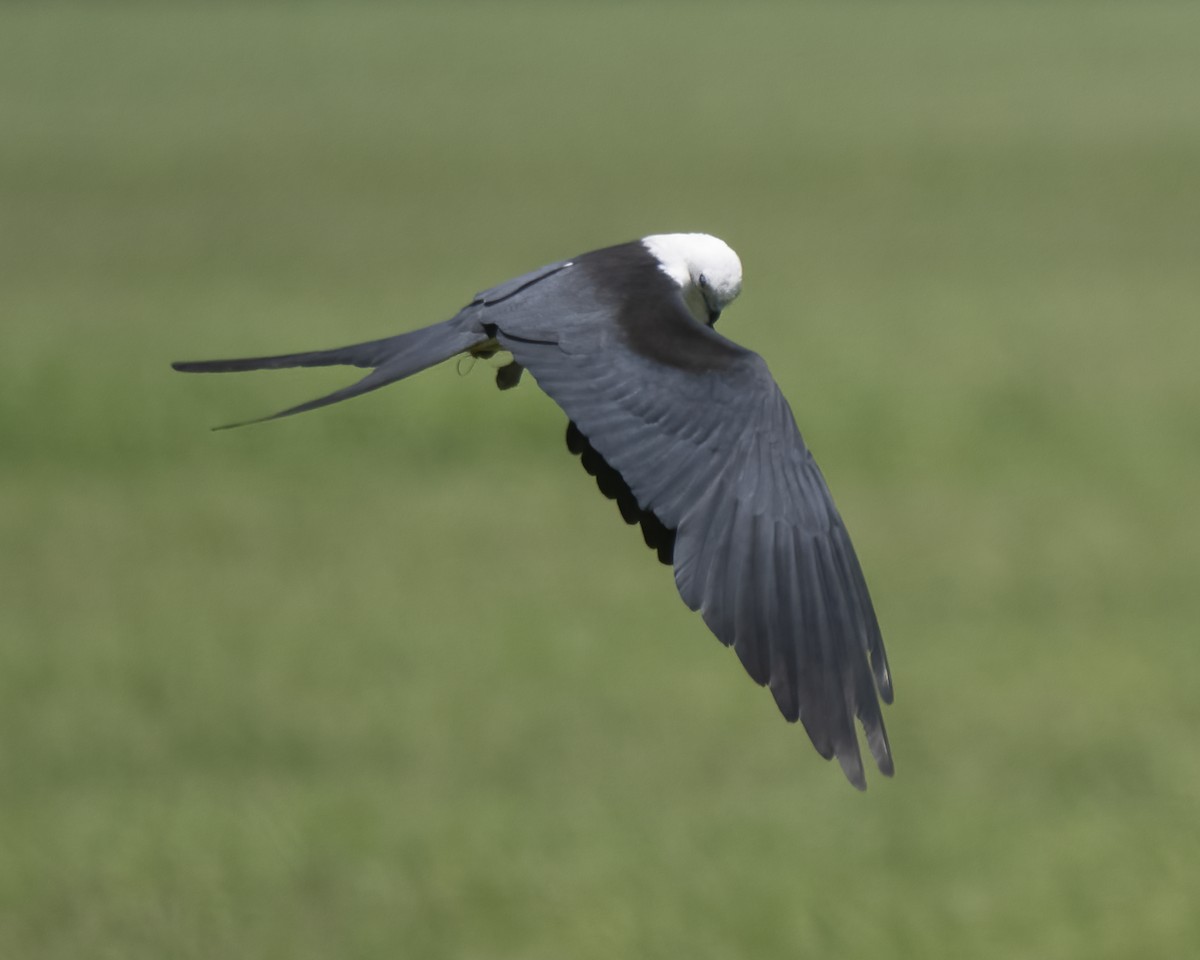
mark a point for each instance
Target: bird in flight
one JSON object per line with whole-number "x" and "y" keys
{"x": 690, "y": 435}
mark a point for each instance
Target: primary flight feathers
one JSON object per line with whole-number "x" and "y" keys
{"x": 689, "y": 433}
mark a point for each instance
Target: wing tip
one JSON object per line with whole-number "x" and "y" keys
{"x": 883, "y": 680}
{"x": 881, "y": 750}
{"x": 852, "y": 767}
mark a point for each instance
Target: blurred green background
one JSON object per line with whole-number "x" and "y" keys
{"x": 392, "y": 679}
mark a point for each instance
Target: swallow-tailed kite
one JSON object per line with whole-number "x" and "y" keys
{"x": 689, "y": 433}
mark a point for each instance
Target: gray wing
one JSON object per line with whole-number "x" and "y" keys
{"x": 709, "y": 446}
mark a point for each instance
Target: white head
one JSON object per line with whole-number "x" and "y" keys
{"x": 706, "y": 269}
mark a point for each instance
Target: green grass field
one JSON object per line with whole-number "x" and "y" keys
{"x": 393, "y": 680}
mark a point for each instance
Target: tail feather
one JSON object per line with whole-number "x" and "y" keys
{"x": 369, "y": 354}
{"x": 372, "y": 381}
{"x": 391, "y": 359}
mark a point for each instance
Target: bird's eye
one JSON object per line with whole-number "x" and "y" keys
{"x": 703, "y": 281}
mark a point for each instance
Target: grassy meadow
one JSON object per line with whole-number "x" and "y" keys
{"x": 393, "y": 680}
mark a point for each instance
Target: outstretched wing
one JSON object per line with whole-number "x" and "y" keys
{"x": 700, "y": 433}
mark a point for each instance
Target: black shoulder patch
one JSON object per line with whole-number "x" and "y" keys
{"x": 650, "y": 313}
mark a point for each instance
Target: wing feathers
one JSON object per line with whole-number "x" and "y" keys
{"x": 750, "y": 632}
{"x": 656, "y": 535}
{"x": 784, "y": 646}
{"x": 815, "y": 669}
{"x": 844, "y": 677}
{"x": 711, "y": 459}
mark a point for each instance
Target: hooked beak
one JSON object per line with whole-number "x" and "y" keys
{"x": 713, "y": 316}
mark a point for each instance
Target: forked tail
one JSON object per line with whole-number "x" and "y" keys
{"x": 390, "y": 359}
